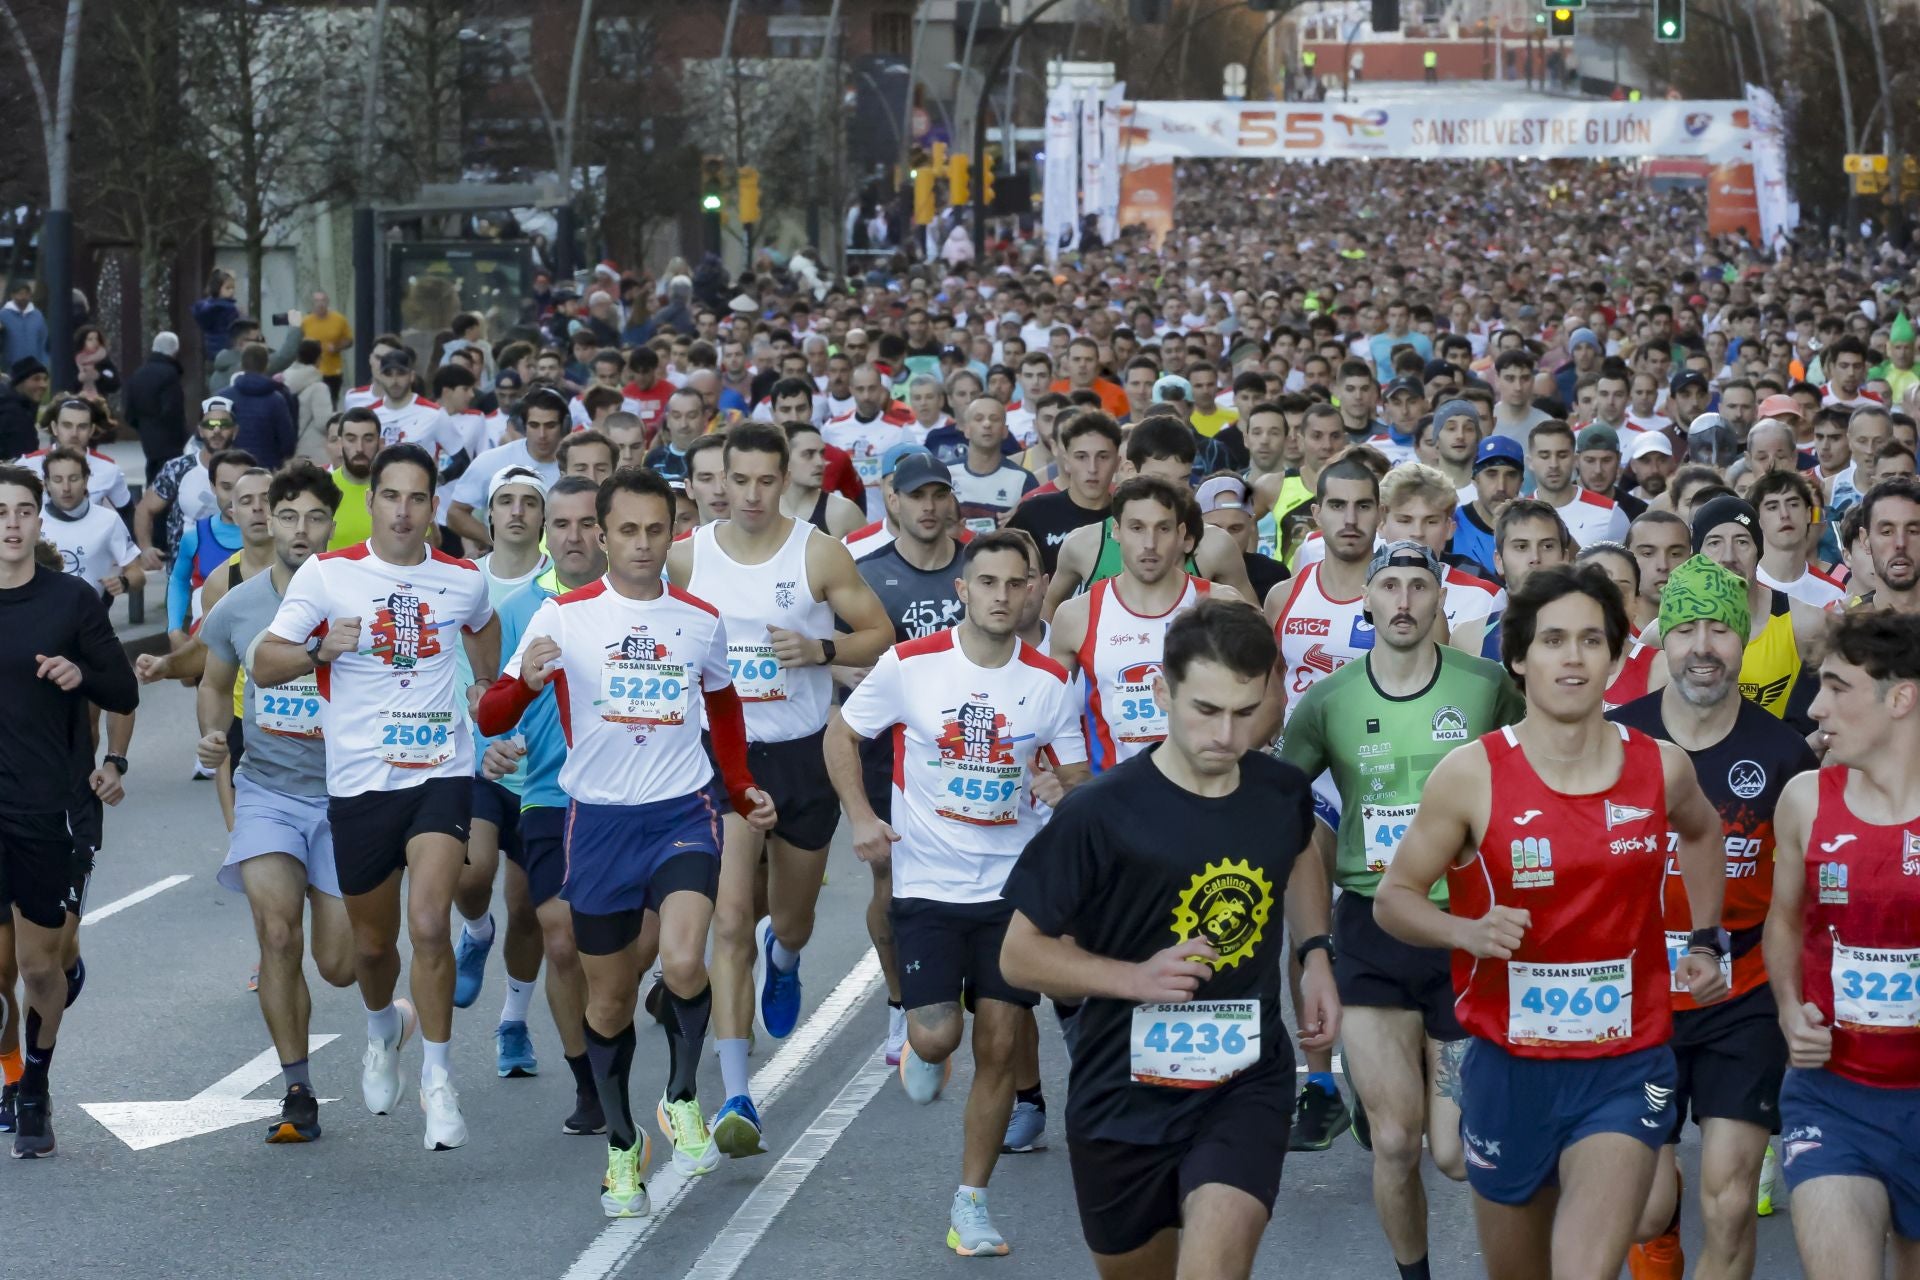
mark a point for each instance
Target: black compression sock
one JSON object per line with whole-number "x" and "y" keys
{"x": 1033, "y": 1096}
{"x": 36, "y": 1061}
{"x": 894, "y": 1004}
{"x": 686, "y": 1032}
{"x": 612, "y": 1059}
{"x": 582, "y": 1068}
{"x": 1415, "y": 1270}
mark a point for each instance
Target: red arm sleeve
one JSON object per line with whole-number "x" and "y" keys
{"x": 727, "y": 728}
{"x": 505, "y": 701}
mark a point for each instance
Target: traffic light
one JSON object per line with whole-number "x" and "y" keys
{"x": 959, "y": 180}
{"x": 1560, "y": 21}
{"x": 1669, "y": 21}
{"x": 923, "y": 209}
{"x": 939, "y": 156}
{"x": 1563, "y": 4}
{"x": 988, "y": 163}
{"x": 713, "y": 183}
{"x": 748, "y": 193}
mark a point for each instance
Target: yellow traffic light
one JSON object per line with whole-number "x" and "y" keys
{"x": 939, "y": 155}
{"x": 748, "y": 193}
{"x": 923, "y": 210}
{"x": 959, "y": 180}
{"x": 986, "y": 176}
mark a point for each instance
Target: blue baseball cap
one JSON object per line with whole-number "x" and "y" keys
{"x": 1499, "y": 449}
{"x": 891, "y": 458}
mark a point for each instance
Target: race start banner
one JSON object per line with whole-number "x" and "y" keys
{"x": 1714, "y": 130}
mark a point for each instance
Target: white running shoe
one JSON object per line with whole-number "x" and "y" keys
{"x": 446, "y": 1129}
{"x": 381, "y": 1084}
{"x": 923, "y": 1080}
{"x": 896, "y": 1035}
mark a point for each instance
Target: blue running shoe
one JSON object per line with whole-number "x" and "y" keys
{"x": 779, "y": 992}
{"x": 1026, "y": 1130}
{"x": 469, "y": 967}
{"x": 513, "y": 1050}
{"x": 736, "y": 1128}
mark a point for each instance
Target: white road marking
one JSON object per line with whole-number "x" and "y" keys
{"x": 620, "y": 1240}
{"x": 752, "y": 1219}
{"x": 97, "y": 914}
{"x": 221, "y": 1105}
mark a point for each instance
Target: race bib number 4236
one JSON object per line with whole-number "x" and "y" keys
{"x": 1196, "y": 1045}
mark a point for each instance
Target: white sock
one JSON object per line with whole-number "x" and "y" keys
{"x": 733, "y": 1066}
{"x": 384, "y": 1025}
{"x": 978, "y": 1193}
{"x": 435, "y": 1056}
{"x": 481, "y": 930}
{"x": 519, "y": 994}
{"x": 784, "y": 959}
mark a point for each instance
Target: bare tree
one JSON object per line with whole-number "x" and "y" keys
{"x": 423, "y": 93}
{"x": 633, "y": 133}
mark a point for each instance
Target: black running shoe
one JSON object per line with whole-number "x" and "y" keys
{"x": 1318, "y": 1118}
{"x": 9, "y": 1094}
{"x": 76, "y": 980}
{"x": 1362, "y": 1131}
{"x": 299, "y": 1117}
{"x": 33, "y": 1127}
{"x": 587, "y": 1118}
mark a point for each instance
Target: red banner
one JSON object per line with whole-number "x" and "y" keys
{"x": 1732, "y": 206}
{"x": 1146, "y": 197}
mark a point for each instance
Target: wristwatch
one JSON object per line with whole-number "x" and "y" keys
{"x": 1322, "y": 942}
{"x": 313, "y": 649}
{"x": 1715, "y": 942}
{"x": 827, "y": 650}
{"x": 118, "y": 762}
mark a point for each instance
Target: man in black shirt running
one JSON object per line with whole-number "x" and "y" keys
{"x": 58, "y": 654}
{"x": 1151, "y": 896}
{"x": 1088, "y": 453}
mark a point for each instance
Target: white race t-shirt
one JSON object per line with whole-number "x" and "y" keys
{"x": 94, "y": 546}
{"x": 395, "y": 711}
{"x": 630, "y": 682}
{"x": 471, "y": 487}
{"x": 106, "y": 483}
{"x": 1593, "y": 517}
{"x": 963, "y": 758}
{"x": 423, "y": 422}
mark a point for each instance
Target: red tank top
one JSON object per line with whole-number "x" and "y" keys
{"x": 1860, "y": 961}
{"x": 1590, "y": 978}
{"x": 1635, "y": 672}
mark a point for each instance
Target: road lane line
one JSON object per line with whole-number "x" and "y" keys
{"x": 96, "y": 914}
{"x": 753, "y": 1218}
{"x": 620, "y": 1240}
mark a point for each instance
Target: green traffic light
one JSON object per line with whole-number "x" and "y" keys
{"x": 1669, "y": 27}
{"x": 711, "y": 203}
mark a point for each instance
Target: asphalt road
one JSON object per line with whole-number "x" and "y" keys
{"x": 857, "y": 1183}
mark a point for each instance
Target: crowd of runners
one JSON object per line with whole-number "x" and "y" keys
{"x": 1455, "y": 630}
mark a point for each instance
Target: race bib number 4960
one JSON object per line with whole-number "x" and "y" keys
{"x": 1568, "y": 1003}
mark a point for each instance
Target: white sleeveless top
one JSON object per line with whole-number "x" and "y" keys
{"x": 780, "y": 703}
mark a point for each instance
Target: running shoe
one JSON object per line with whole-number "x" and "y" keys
{"x": 736, "y": 1129}
{"x": 33, "y": 1127}
{"x": 1362, "y": 1130}
{"x": 381, "y": 1085}
{"x": 1661, "y": 1258}
{"x": 1318, "y": 1118}
{"x": 970, "y": 1231}
{"x": 923, "y": 1080}
{"x": 694, "y": 1152}
{"x": 253, "y": 977}
{"x": 779, "y": 991}
{"x": 470, "y": 966}
{"x": 623, "y": 1194}
{"x": 1769, "y": 1176}
{"x": 896, "y": 1035}
{"x": 587, "y": 1118}
{"x": 9, "y": 1096}
{"x": 1026, "y": 1130}
{"x": 446, "y": 1129}
{"x": 76, "y": 979}
{"x": 299, "y": 1117}
{"x": 201, "y": 773}
{"x": 513, "y": 1051}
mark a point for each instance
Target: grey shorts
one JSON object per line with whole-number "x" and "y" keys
{"x": 267, "y": 821}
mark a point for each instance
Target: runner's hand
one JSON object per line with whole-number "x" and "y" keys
{"x": 874, "y": 842}
{"x": 793, "y": 649}
{"x": 65, "y": 676}
{"x": 1173, "y": 975}
{"x": 150, "y": 667}
{"x": 150, "y": 560}
{"x": 343, "y": 637}
{"x": 105, "y": 782}
{"x": 1047, "y": 788}
{"x": 762, "y": 816}
{"x": 1702, "y": 975}
{"x": 1319, "y": 1012}
{"x": 501, "y": 758}
{"x": 113, "y": 587}
{"x": 1496, "y": 935}
{"x": 212, "y": 748}
{"x": 542, "y": 651}
{"x": 1809, "y": 1039}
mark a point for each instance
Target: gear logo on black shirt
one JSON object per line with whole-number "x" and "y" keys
{"x": 1228, "y": 903}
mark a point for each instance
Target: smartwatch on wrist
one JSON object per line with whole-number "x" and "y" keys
{"x": 827, "y": 650}
{"x": 118, "y": 762}
{"x": 1715, "y": 942}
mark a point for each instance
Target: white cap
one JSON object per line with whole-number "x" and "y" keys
{"x": 1649, "y": 442}
{"x": 524, "y": 477}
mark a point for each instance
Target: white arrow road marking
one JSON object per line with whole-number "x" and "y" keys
{"x": 221, "y": 1105}
{"x": 621, "y": 1239}
{"x": 134, "y": 899}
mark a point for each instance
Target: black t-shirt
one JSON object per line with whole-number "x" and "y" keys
{"x": 1050, "y": 517}
{"x": 1264, "y": 572}
{"x": 1131, "y": 863}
